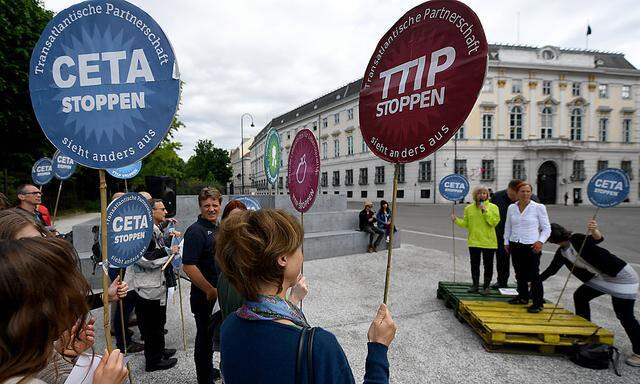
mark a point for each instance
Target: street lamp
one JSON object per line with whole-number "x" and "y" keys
{"x": 242, "y": 145}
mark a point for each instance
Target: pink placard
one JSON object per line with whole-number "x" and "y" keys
{"x": 303, "y": 170}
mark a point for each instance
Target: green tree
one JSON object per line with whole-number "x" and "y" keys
{"x": 21, "y": 23}
{"x": 209, "y": 164}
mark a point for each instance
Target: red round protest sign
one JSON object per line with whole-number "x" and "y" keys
{"x": 303, "y": 170}
{"x": 422, "y": 81}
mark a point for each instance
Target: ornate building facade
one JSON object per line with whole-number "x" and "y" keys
{"x": 549, "y": 115}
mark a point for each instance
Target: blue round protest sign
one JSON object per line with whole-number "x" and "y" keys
{"x": 42, "y": 171}
{"x": 63, "y": 166}
{"x": 126, "y": 172}
{"x": 454, "y": 187}
{"x": 129, "y": 229}
{"x": 608, "y": 188}
{"x": 104, "y": 83}
{"x": 250, "y": 203}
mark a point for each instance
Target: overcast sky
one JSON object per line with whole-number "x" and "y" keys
{"x": 266, "y": 57}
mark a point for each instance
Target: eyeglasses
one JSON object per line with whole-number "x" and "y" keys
{"x": 32, "y": 193}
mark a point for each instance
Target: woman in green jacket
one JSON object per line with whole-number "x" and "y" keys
{"x": 480, "y": 220}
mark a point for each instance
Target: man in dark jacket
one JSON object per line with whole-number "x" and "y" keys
{"x": 503, "y": 199}
{"x": 367, "y": 221}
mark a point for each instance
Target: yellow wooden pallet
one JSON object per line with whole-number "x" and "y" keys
{"x": 503, "y": 324}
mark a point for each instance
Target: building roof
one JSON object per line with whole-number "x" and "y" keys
{"x": 609, "y": 60}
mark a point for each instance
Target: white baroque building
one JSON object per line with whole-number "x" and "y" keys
{"x": 549, "y": 115}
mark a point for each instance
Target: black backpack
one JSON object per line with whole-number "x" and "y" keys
{"x": 596, "y": 356}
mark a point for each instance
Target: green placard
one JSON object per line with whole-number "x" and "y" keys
{"x": 272, "y": 156}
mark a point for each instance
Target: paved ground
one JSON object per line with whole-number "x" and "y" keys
{"x": 429, "y": 226}
{"x": 430, "y": 347}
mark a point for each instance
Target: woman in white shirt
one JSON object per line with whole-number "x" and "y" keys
{"x": 526, "y": 229}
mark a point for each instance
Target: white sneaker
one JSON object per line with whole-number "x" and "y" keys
{"x": 387, "y": 239}
{"x": 633, "y": 360}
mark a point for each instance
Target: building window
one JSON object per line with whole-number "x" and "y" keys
{"x": 336, "y": 148}
{"x": 626, "y": 92}
{"x": 348, "y": 177}
{"x": 603, "y": 91}
{"x": 515, "y": 122}
{"x": 425, "y": 193}
{"x": 461, "y": 167}
{"x": 602, "y": 129}
{"x": 625, "y": 165}
{"x": 546, "y": 123}
{"x": 325, "y": 124}
{"x": 546, "y": 87}
{"x": 488, "y": 171}
{"x": 576, "y": 89}
{"x": 363, "y": 178}
{"x": 324, "y": 180}
{"x": 315, "y": 126}
{"x": 379, "y": 175}
{"x": 336, "y": 178}
{"x": 460, "y": 133}
{"x": 488, "y": 85}
{"x": 400, "y": 193}
{"x": 576, "y": 124}
{"x": 336, "y": 118}
{"x": 518, "y": 170}
{"x": 424, "y": 170}
{"x": 350, "y": 114}
{"x": 401, "y": 173}
{"x": 380, "y": 193}
{"x": 578, "y": 173}
{"x": 365, "y": 149}
{"x": 288, "y": 135}
{"x": 363, "y": 194}
{"x": 602, "y": 165}
{"x": 516, "y": 86}
{"x": 349, "y": 194}
{"x": 324, "y": 150}
{"x": 280, "y": 182}
{"x": 487, "y": 126}
{"x": 349, "y": 145}
{"x": 626, "y": 130}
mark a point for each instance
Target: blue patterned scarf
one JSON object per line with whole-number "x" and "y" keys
{"x": 272, "y": 308}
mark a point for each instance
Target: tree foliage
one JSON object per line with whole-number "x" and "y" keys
{"x": 209, "y": 164}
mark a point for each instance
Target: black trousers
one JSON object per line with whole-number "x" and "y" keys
{"x": 526, "y": 263}
{"x": 372, "y": 230}
{"x": 128, "y": 305}
{"x": 151, "y": 320}
{"x": 202, "y": 310}
{"x": 487, "y": 261}
{"x": 622, "y": 307}
{"x": 502, "y": 265}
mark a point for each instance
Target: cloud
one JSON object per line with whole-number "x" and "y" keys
{"x": 267, "y": 57}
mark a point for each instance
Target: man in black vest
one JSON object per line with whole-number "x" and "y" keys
{"x": 503, "y": 199}
{"x": 199, "y": 265}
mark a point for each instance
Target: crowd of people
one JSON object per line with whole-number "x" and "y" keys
{"x": 250, "y": 262}
{"x": 514, "y": 225}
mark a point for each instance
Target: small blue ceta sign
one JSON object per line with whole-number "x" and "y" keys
{"x": 104, "y": 83}
{"x": 42, "y": 171}
{"x": 608, "y": 188}
{"x": 63, "y": 166}
{"x": 126, "y": 172}
{"x": 454, "y": 187}
{"x": 129, "y": 229}
{"x": 250, "y": 203}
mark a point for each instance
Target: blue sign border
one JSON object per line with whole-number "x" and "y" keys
{"x": 611, "y": 202}
{"x": 457, "y": 178}
{"x": 66, "y": 173}
{"x": 134, "y": 250}
{"x": 34, "y": 176}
